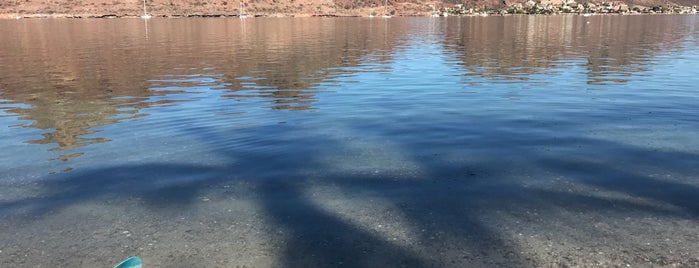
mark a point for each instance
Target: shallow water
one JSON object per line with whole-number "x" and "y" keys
{"x": 89, "y": 94}
{"x": 552, "y": 112}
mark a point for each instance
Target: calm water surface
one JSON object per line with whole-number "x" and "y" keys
{"x": 288, "y": 97}
{"x": 113, "y": 106}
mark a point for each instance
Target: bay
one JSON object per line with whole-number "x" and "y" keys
{"x": 464, "y": 141}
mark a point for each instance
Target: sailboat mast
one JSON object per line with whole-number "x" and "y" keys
{"x": 242, "y": 14}
{"x": 145, "y": 13}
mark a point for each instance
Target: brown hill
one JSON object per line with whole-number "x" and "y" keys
{"x": 12, "y": 8}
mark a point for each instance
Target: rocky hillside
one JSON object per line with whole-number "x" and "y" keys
{"x": 121, "y": 8}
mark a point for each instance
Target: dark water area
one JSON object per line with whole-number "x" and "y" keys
{"x": 464, "y": 142}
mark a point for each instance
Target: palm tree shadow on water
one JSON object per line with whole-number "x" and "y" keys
{"x": 320, "y": 239}
{"x": 445, "y": 208}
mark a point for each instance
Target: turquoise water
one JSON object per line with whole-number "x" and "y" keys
{"x": 591, "y": 116}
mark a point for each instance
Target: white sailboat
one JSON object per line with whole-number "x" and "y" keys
{"x": 145, "y": 12}
{"x": 385, "y": 10}
{"x": 242, "y": 14}
{"x": 434, "y": 12}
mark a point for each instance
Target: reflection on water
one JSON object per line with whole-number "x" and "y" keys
{"x": 76, "y": 76}
{"x": 67, "y": 84}
{"x": 611, "y": 49}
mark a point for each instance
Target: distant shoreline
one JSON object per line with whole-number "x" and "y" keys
{"x": 397, "y": 10}
{"x": 175, "y": 16}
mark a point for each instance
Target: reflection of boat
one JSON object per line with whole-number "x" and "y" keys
{"x": 242, "y": 14}
{"x": 145, "y": 12}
